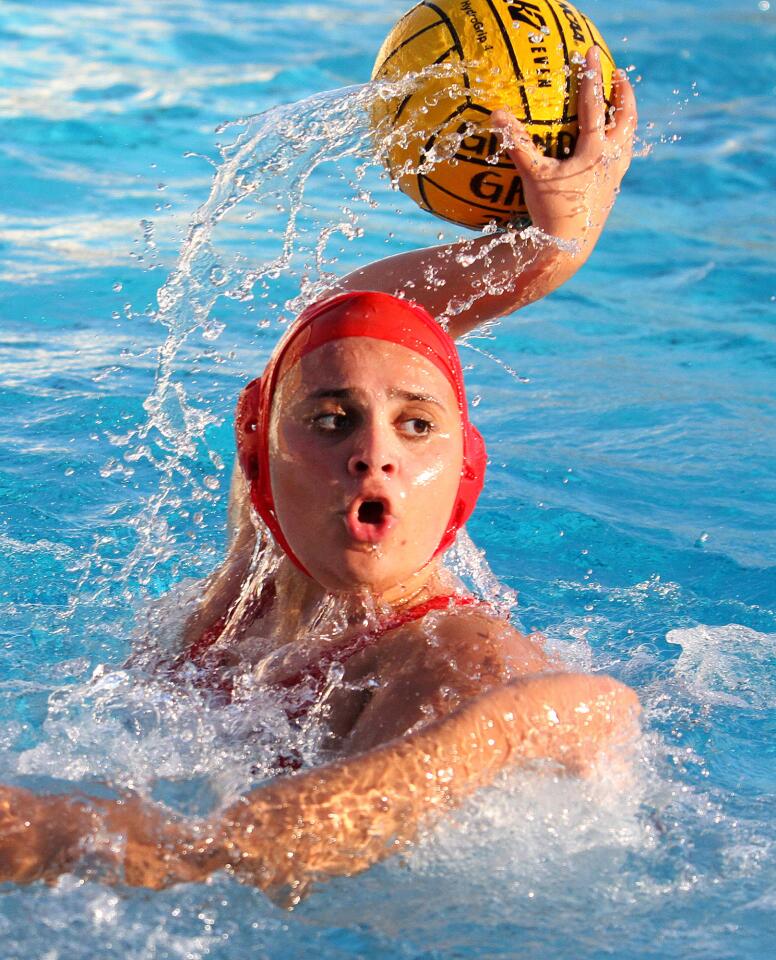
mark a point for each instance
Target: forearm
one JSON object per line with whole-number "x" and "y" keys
{"x": 340, "y": 819}
{"x": 123, "y": 841}
{"x": 467, "y": 283}
{"x": 569, "y": 200}
{"x": 337, "y": 820}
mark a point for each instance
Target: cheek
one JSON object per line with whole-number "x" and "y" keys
{"x": 435, "y": 476}
{"x": 300, "y": 471}
{"x": 432, "y": 472}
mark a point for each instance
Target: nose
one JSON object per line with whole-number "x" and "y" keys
{"x": 372, "y": 453}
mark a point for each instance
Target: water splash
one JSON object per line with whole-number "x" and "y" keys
{"x": 727, "y": 665}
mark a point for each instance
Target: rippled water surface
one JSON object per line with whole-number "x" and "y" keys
{"x": 630, "y": 494}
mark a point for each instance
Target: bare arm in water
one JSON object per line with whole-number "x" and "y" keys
{"x": 472, "y": 281}
{"x": 334, "y": 820}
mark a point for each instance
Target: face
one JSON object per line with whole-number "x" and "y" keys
{"x": 366, "y": 450}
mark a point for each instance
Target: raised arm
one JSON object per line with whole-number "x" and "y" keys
{"x": 472, "y": 281}
{"x": 334, "y": 820}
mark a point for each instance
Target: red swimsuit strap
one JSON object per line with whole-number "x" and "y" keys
{"x": 317, "y": 672}
{"x": 254, "y": 608}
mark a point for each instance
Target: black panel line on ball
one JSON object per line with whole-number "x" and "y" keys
{"x": 555, "y": 123}
{"x": 589, "y": 26}
{"x": 422, "y": 192}
{"x": 443, "y": 57}
{"x": 489, "y": 113}
{"x": 409, "y": 96}
{"x": 534, "y": 123}
{"x": 484, "y": 163}
{"x": 453, "y": 34}
{"x": 402, "y": 105}
{"x": 567, "y": 98}
{"x": 430, "y": 143}
{"x": 515, "y": 65}
{"x": 455, "y": 196}
{"x": 436, "y": 23}
{"x": 443, "y": 123}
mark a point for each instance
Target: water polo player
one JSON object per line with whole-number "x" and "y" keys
{"x": 358, "y": 465}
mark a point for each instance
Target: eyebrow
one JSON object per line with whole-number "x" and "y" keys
{"x": 344, "y": 393}
{"x": 414, "y": 397}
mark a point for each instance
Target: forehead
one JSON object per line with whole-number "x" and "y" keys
{"x": 371, "y": 365}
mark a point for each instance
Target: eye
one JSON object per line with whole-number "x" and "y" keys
{"x": 331, "y": 422}
{"x": 415, "y": 427}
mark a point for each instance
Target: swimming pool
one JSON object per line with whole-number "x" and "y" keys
{"x": 629, "y": 502}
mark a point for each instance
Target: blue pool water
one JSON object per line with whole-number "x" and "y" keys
{"x": 630, "y": 499}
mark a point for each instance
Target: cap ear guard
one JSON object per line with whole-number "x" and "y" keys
{"x": 470, "y": 486}
{"x": 246, "y": 429}
{"x": 473, "y": 474}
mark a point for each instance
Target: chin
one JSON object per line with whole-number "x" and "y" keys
{"x": 362, "y": 571}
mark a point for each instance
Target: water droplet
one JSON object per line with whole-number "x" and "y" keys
{"x": 213, "y": 330}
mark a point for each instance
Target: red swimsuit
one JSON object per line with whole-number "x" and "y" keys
{"x": 316, "y": 673}
{"x": 312, "y": 679}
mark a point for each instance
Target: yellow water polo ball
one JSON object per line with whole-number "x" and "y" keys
{"x": 445, "y": 66}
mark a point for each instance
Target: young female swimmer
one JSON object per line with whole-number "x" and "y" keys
{"x": 357, "y": 452}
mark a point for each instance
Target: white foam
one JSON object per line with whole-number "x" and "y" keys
{"x": 730, "y": 664}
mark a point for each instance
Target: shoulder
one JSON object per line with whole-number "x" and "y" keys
{"x": 465, "y": 647}
{"x": 476, "y": 637}
{"x": 429, "y": 668}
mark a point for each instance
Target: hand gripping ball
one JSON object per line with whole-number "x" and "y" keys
{"x": 446, "y": 65}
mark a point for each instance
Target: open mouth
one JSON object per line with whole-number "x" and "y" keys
{"x": 371, "y": 511}
{"x": 369, "y": 520}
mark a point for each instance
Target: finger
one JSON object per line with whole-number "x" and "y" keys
{"x": 624, "y": 112}
{"x": 591, "y": 111}
{"x": 517, "y": 142}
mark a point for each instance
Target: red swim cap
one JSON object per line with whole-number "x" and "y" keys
{"x": 381, "y": 317}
